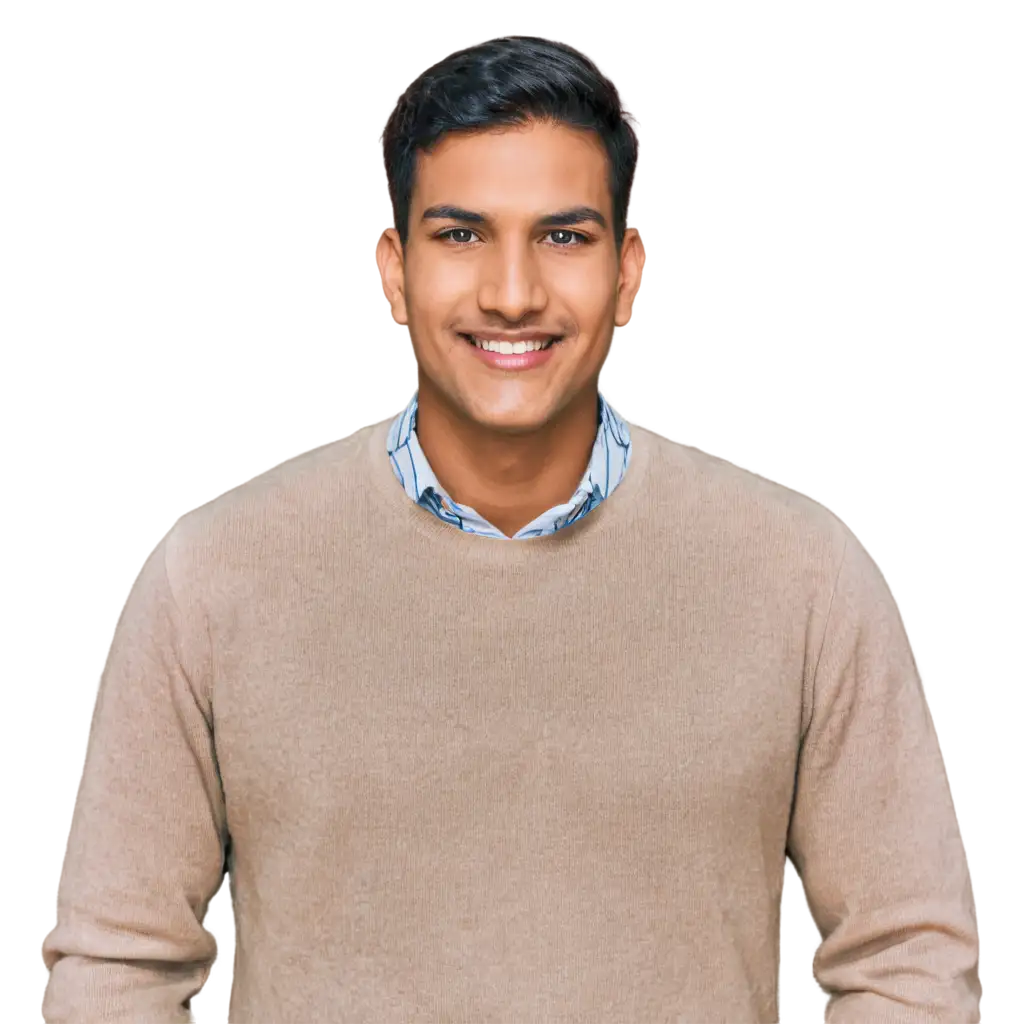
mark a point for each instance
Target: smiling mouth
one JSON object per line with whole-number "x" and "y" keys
{"x": 510, "y": 347}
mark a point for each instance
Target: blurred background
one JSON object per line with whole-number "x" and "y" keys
{"x": 830, "y": 199}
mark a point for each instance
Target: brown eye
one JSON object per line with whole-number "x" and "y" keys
{"x": 567, "y": 243}
{"x": 451, "y": 232}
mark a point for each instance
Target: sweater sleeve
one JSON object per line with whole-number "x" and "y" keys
{"x": 147, "y": 843}
{"x": 873, "y": 833}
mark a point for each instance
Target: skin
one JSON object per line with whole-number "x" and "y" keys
{"x": 510, "y": 443}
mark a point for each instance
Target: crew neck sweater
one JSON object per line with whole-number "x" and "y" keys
{"x": 451, "y": 778}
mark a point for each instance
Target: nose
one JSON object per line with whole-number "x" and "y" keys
{"x": 511, "y": 283}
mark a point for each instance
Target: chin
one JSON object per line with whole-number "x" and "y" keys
{"x": 527, "y": 418}
{"x": 523, "y": 406}
{"x": 499, "y": 408}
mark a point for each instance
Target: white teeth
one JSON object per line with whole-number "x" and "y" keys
{"x": 512, "y": 347}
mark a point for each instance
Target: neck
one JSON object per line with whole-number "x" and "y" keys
{"x": 508, "y": 478}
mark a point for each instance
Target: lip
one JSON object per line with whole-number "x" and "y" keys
{"x": 489, "y": 335}
{"x": 513, "y": 361}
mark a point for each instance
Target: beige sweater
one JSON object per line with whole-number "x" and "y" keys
{"x": 467, "y": 779}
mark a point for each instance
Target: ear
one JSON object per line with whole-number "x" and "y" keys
{"x": 631, "y": 269}
{"x": 391, "y": 263}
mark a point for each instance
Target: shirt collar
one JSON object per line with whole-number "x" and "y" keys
{"x": 608, "y": 460}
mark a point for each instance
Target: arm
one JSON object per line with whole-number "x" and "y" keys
{"x": 873, "y": 833}
{"x": 146, "y": 849}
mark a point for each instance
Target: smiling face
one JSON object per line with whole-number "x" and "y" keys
{"x": 486, "y": 255}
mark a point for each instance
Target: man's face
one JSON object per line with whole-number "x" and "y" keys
{"x": 511, "y": 272}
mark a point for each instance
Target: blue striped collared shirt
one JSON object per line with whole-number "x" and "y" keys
{"x": 608, "y": 462}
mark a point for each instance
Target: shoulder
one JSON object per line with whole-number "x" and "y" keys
{"x": 723, "y": 503}
{"x": 286, "y": 506}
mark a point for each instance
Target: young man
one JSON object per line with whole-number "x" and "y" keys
{"x": 503, "y": 709}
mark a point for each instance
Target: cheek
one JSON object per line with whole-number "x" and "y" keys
{"x": 587, "y": 289}
{"x": 435, "y": 289}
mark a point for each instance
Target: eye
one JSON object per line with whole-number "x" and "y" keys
{"x": 449, "y": 233}
{"x": 583, "y": 239}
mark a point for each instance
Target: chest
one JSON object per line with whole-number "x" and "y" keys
{"x": 527, "y": 700}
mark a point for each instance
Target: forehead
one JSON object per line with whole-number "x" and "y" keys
{"x": 536, "y": 167}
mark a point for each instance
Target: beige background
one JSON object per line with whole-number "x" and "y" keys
{"x": 186, "y": 200}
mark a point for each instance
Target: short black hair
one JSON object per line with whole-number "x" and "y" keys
{"x": 510, "y": 80}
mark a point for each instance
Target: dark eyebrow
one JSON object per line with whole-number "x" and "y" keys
{"x": 564, "y": 218}
{"x": 445, "y": 212}
{"x": 574, "y": 215}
